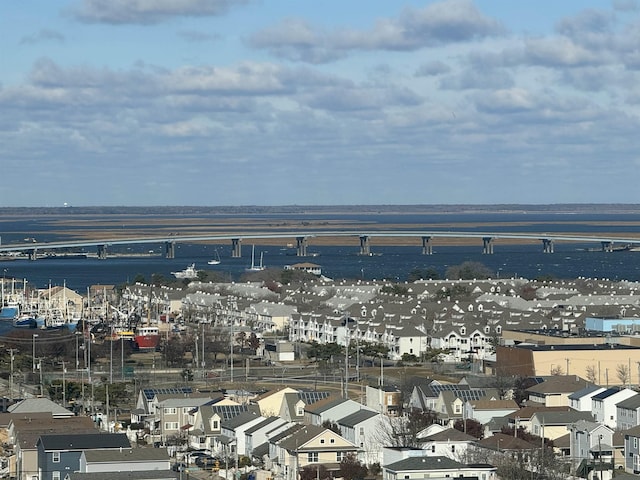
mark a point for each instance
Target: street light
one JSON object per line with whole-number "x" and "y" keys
{"x": 33, "y": 353}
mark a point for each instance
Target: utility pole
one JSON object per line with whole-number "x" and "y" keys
{"x": 64, "y": 385}
{"x": 11, "y": 350}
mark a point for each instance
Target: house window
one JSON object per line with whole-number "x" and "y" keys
{"x": 312, "y": 457}
{"x": 333, "y": 440}
{"x": 635, "y": 442}
{"x": 433, "y": 448}
{"x": 340, "y": 456}
{"x": 55, "y": 457}
{"x": 55, "y": 475}
{"x": 215, "y": 424}
{"x": 361, "y": 431}
{"x": 171, "y": 425}
{"x": 453, "y": 449}
{"x": 300, "y": 411}
{"x": 170, "y": 411}
{"x": 322, "y": 440}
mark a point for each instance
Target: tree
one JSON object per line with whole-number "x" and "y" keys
{"x": 557, "y": 370}
{"x": 591, "y": 373}
{"x": 468, "y": 271}
{"x": 403, "y": 431}
{"x": 470, "y": 427}
{"x": 352, "y": 469}
{"x": 313, "y": 472}
{"x": 333, "y": 426}
{"x": 623, "y": 374}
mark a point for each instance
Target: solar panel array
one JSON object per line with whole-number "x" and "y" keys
{"x": 229, "y": 411}
{"x": 149, "y": 393}
{"x": 309, "y": 397}
{"x": 461, "y": 391}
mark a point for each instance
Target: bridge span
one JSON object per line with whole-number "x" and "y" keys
{"x": 607, "y": 244}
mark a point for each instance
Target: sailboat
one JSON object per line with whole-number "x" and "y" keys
{"x": 216, "y": 260}
{"x": 254, "y": 267}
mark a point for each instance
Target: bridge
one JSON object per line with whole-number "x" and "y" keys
{"x": 607, "y": 244}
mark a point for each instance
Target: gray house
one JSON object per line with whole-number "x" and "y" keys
{"x": 628, "y": 413}
{"x": 59, "y": 455}
{"x": 632, "y": 450}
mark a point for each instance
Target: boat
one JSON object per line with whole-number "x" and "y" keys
{"x": 216, "y": 260}
{"x": 9, "y": 312}
{"x": 254, "y": 267}
{"x": 189, "y": 272}
{"x": 26, "y": 320}
{"x": 146, "y": 337}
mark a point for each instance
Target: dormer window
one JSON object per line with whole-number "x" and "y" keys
{"x": 215, "y": 424}
{"x": 300, "y": 411}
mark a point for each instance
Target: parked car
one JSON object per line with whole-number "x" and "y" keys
{"x": 206, "y": 462}
{"x": 191, "y": 457}
{"x": 179, "y": 467}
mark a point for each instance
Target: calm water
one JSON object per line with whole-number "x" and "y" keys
{"x": 395, "y": 263}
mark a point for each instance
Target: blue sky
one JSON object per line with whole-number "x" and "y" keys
{"x": 280, "y": 102}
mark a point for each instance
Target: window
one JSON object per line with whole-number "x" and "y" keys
{"x": 215, "y": 424}
{"x": 433, "y": 448}
{"x": 453, "y": 449}
{"x": 635, "y": 442}
{"x": 312, "y": 457}
{"x": 55, "y": 475}
{"x": 361, "y": 431}
{"x": 55, "y": 457}
{"x": 340, "y": 456}
{"x": 171, "y": 425}
{"x": 333, "y": 440}
{"x": 170, "y": 411}
{"x": 322, "y": 440}
{"x": 300, "y": 411}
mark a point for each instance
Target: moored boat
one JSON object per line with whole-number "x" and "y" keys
{"x": 189, "y": 272}
{"x": 146, "y": 337}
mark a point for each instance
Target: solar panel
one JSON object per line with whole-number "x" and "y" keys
{"x": 149, "y": 393}
{"x": 229, "y": 411}
{"x": 310, "y": 397}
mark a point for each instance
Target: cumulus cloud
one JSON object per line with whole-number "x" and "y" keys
{"x": 147, "y": 11}
{"x": 441, "y": 23}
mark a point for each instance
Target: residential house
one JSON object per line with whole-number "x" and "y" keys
{"x": 363, "y": 429}
{"x": 581, "y": 400}
{"x": 555, "y": 390}
{"x": 330, "y": 409}
{"x": 59, "y": 455}
{"x": 591, "y": 446}
{"x": 206, "y": 433}
{"x": 450, "y": 403}
{"x": 386, "y": 399}
{"x": 175, "y": 415}
{"x": 628, "y": 413}
{"x": 270, "y": 403}
{"x": 632, "y": 450}
{"x": 24, "y": 431}
{"x": 256, "y": 436}
{"x": 294, "y": 404}
{"x": 125, "y": 460}
{"x": 501, "y": 444}
{"x": 414, "y": 468}
{"x": 483, "y": 410}
{"x": 312, "y": 445}
{"x": 604, "y": 404}
{"x": 554, "y": 425}
{"x": 148, "y": 399}
{"x": 450, "y": 443}
{"x": 521, "y": 419}
{"x": 235, "y": 428}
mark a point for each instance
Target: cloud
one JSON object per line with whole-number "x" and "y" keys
{"x": 441, "y": 23}
{"x": 42, "y": 36}
{"x": 145, "y": 12}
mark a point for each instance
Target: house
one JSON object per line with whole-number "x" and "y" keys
{"x": 632, "y": 450}
{"x": 270, "y": 403}
{"x": 60, "y": 454}
{"x": 235, "y": 428}
{"x": 24, "y": 431}
{"x": 174, "y": 416}
{"x": 39, "y": 405}
{"x": 294, "y": 404}
{"x": 436, "y": 467}
{"x": 450, "y": 403}
{"x": 125, "y": 460}
{"x": 591, "y": 446}
{"x": 330, "y": 409}
{"x": 256, "y": 436}
{"x": 554, "y": 425}
{"x": 483, "y": 410}
{"x": 386, "y": 399}
{"x": 628, "y": 413}
{"x": 450, "y": 443}
{"x": 362, "y": 428}
{"x": 312, "y": 445}
{"x": 555, "y": 390}
{"x": 603, "y": 405}
{"x": 581, "y": 400}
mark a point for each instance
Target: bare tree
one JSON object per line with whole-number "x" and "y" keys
{"x": 403, "y": 431}
{"x": 557, "y": 370}
{"x": 623, "y": 374}
{"x": 591, "y": 373}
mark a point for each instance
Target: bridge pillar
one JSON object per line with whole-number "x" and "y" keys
{"x": 169, "y": 249}
{"x": 33, "y": 254}
{"x": 301, "y": 246}
{"x": 607, "y": 246}
{"x": 547, "y": 245}
{"x": 487, "y": 245}
{"x": 427, "y": 247}
{"x": 236, "y": 247}
{"x": 102, "y": 252}
{"x": 365, "y": 248}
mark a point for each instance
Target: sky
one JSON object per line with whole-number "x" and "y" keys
{"x": 300, "y": 102}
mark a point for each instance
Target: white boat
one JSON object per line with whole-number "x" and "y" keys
{"x": 216, "y": 260}
{"x": 189, "y": 272}
{"x": 254, "y": 267}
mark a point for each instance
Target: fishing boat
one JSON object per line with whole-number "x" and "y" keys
{"x": 254, "y": 267}
{"x": 146, "y": 337}
{"x": 216, "y": 260}
{"x": 189, "y": 272}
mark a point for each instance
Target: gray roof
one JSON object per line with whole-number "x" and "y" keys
{"x": 239, "y": 420}
{"x": 632, "y": 403}
{"x": 84, "y": 441}
{"x": 563, "y": 418}
{"x": 424, "y": 463}
{"x": 38, "y": 405}
{"x": 126, "y": 455}
{"x": 357, "y": 417}
{"x": 262, "y": 424}
{"x": 138, "y": 475}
